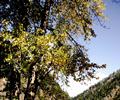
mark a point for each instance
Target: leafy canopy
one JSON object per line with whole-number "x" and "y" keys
{"x": 36, "y": 41}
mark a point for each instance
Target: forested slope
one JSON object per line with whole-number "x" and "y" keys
{"x": 107, "y": 89}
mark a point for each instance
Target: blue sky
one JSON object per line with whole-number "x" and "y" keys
{"x": 104, "y": 49}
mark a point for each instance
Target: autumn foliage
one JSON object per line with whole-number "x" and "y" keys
{"x": 37, "y": 44}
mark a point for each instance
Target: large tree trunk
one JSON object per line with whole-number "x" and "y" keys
{"x": 27, "y": 92}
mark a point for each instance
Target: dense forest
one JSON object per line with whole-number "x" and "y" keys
{"x": 107, "y": 89}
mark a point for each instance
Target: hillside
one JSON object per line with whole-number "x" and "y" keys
{"x": 107, "y": 89}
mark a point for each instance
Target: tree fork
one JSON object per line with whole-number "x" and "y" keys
{"x": 30, "y": 77}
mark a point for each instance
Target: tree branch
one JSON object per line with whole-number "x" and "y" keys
{"x": 45, "y": 14}
{"x": 73, "y": 41}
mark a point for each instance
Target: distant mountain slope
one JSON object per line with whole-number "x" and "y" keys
{"x": 107, "y": 89}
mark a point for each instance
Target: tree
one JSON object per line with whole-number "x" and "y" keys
{"x": 36, "y": 42}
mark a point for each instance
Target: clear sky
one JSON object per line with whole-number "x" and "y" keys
{"x": 104, "y": 49}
